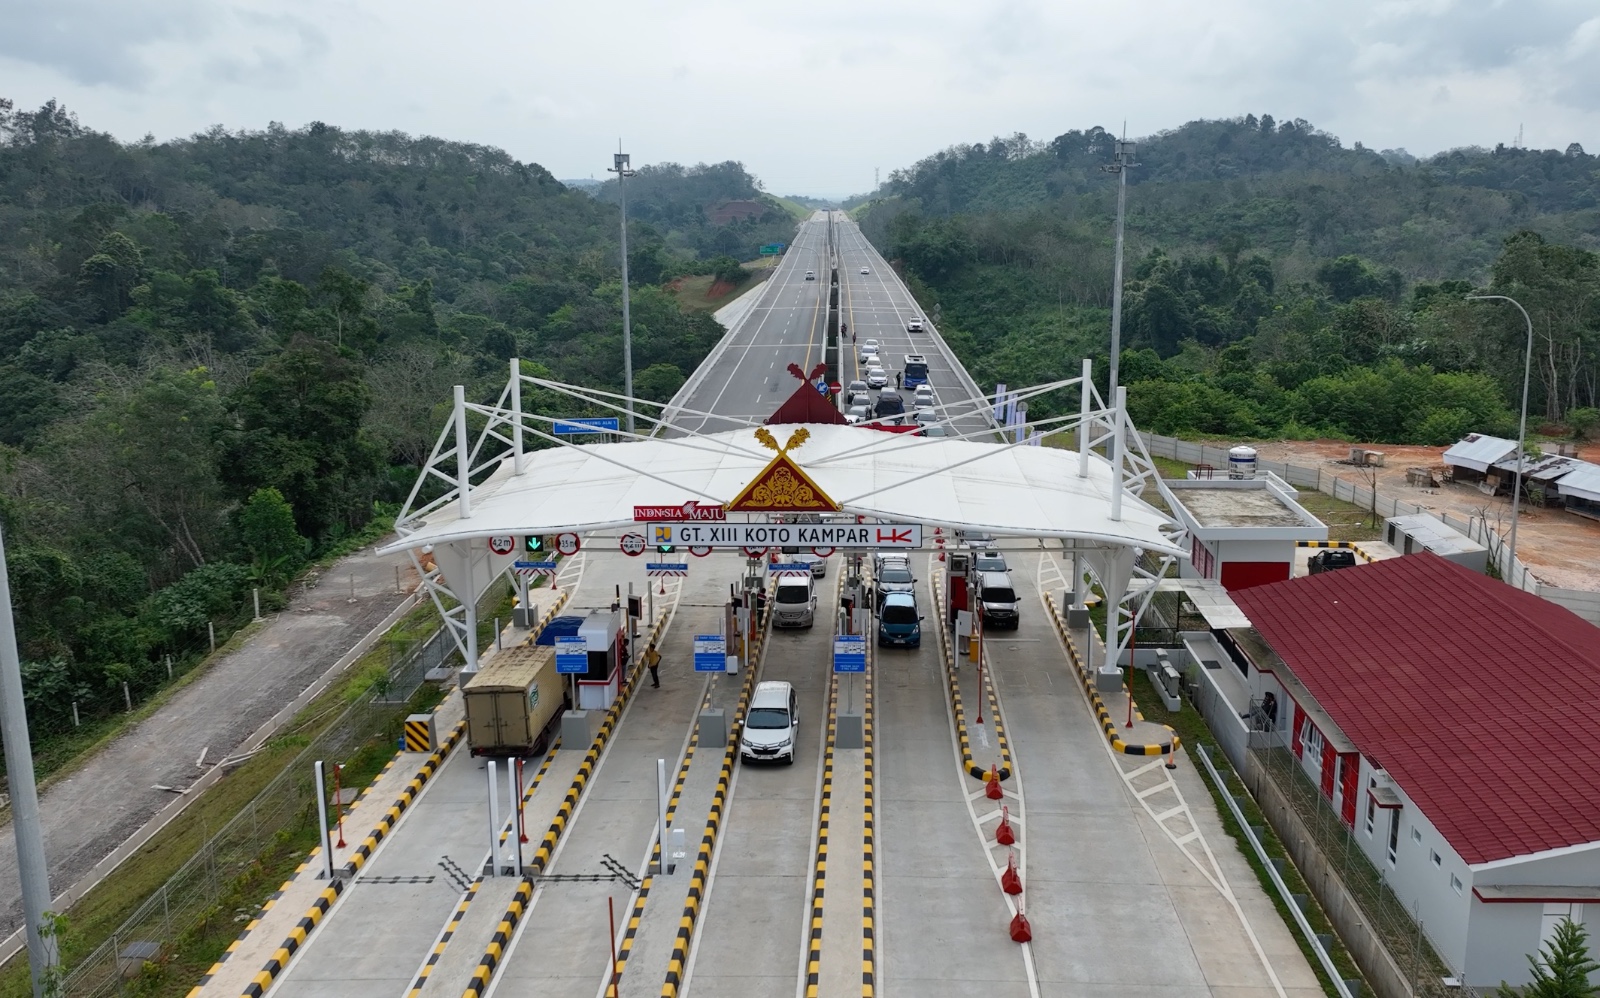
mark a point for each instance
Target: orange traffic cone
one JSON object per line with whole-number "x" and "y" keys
{"x": 992, "y": 786}
{"x": 1002, "y": 832}
{"x": 1010, "y": 881}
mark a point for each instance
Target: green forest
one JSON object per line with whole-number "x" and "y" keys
{"x": 227, "y": 355}
{"x": 1278, "y": 284}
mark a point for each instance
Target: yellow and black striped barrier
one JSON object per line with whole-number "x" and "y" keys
{"x": 484, "y": 972}
{"x": 869, "y": 893}
{"x": 708, "y": 841}
{"x": 974, "y": 770}
{"x": 1107, "y": 724}
{"x": 419, "y": 733}
{"x": 819, "y": 872}
{"x": 296, "y": 939}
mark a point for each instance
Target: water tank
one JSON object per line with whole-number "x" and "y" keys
{"x": 1242, "y": 462}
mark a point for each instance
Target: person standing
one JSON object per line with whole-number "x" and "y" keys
{"x": 652, "y": 660}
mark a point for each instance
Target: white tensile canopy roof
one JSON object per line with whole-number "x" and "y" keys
{"x": 957, "y": 484}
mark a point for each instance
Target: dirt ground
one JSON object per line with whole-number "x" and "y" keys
{"x": 1561, "y": 549}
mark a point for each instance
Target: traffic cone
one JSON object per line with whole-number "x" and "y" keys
{"x": 992, "y": 786}
{"x": 1010, "y": 882}
{"x": 1002, "y": 832}
{"x": 1021, "y": 931}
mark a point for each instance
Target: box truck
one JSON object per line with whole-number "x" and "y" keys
{"x": 515, "y": 702}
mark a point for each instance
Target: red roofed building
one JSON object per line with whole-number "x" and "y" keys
{"x": 1453, "y": 723}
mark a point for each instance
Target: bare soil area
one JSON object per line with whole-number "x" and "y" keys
{"x": 1561, "y": 548}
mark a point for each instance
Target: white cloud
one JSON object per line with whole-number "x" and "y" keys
{"x": 810, "y": 99}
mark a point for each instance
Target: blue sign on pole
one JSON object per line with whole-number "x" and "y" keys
{"x": 789, "y": 568}
{"x": 579, "y": 425}
{"x": 541, "y": 566}
{"x": 710, "y": 653}
{"x": 849, "y": 653}
{"x": 572, "y": 656}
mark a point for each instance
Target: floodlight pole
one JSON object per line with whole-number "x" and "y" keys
{"x": 1522, "y": 428}
{"x": 43, "y": 956}
{"x": 1119, "y": 165}
{"x": 620, "y": 159}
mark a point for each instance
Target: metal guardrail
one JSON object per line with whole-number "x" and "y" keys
{"x": 1339, "y": 983}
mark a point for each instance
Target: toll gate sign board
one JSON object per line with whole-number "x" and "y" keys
{"x": 803, "y": 535}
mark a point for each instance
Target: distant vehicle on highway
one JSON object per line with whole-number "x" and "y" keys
{"x": 855, "y": 386}
{"x": 933, "y": 431}
{"x": 857, "y": 413}
{"x": 877, "y": 377}
{"x": 860, "y": 398}
{"x": 866, "y": 270}
{"x": 915, "y": 325}
{"x": 926, "y": 418}
{"x": 874, "y": 344}
{"x": 868, "y": 353}
{"x": 811, "y": 275}
{"x": 924, "y": 396}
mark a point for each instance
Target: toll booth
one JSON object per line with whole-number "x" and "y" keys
{"x": 603, "y": 638}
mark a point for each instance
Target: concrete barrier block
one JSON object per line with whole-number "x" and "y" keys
{"x": 576, "y": 733}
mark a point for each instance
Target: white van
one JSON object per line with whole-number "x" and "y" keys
{"x": 794, "y": 602}
{"x": 772, "y": 723}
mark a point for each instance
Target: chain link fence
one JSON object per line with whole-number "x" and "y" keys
{"x": 1401, "y": 932}
{"x": 193, "y": 894}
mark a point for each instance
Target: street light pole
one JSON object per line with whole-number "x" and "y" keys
{"x": 620, "y": 159}
{"x": 1522, "y": 427}
{"x": 43, "y": 955}
{"x": 1119, "y": 165}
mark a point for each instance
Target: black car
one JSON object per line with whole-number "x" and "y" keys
{"x": 891, "y": 577}
{"x": 889, "y": 404}
{"x": 1327, "y": 561}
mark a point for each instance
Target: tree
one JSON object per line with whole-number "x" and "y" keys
{"x": 1582, "y": 421}
{"x": 658, "y": 382}
{"x": 267, "y": 530}
{"x": 1562, "y": 969}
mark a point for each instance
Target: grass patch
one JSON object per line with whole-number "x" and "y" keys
{"x": 1346, "y": 521}
{"x": 1192, "y": 729}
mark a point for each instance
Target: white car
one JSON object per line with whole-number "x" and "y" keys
{"x": 924, "y": 391}
{"x": 870, "y": 345}
{"x": 915, "y": 325}
{"x": 866, "y": 270}
{"x": 877, "y": 377}
{"x": 772, "y": 724}
{"x": 857, "y": 413}
{"x": 868, "y": 353}
{"x": 927, "y": 417}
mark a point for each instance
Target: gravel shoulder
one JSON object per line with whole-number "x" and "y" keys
{"x": 106, "y": 799}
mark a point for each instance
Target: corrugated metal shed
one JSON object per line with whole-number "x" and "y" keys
{"x": 1547, "y": 468}
{"x": 1478, "y": 451}
{"x": 1583, "y": 482}
{"x": 1212, "y": 601}
{"x": 1436, "y": 535}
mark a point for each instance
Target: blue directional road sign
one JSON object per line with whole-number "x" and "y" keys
{"x": 849, "y": 653}
{"x": 789, "y": 568}
{"x": 580, "y": 425}
{"x": 710, "y": 653}
{"x": 540, "y": 566}
{"x": 572, "y": 656}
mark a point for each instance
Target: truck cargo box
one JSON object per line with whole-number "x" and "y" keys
{"x": 513, "y": 702}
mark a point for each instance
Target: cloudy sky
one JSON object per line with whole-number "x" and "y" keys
{"x": 811, "y": 97}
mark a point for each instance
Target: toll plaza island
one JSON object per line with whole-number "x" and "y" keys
{"x": 878, "y": 760}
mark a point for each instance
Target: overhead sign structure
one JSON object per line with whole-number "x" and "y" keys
{"x": 632, "y": 545}
{"x": 568, "y": 544}
{"x": 666, "y": 569}
{"x": 502, "y": 544}
{"x": 849, "y": 653}
{"x": 580, "y": 425}
{"x": 572, "y": 656}
{"x": 806, "y": 535}
{"x": 691, "y": 510}
{"x": 710, "y": 653}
